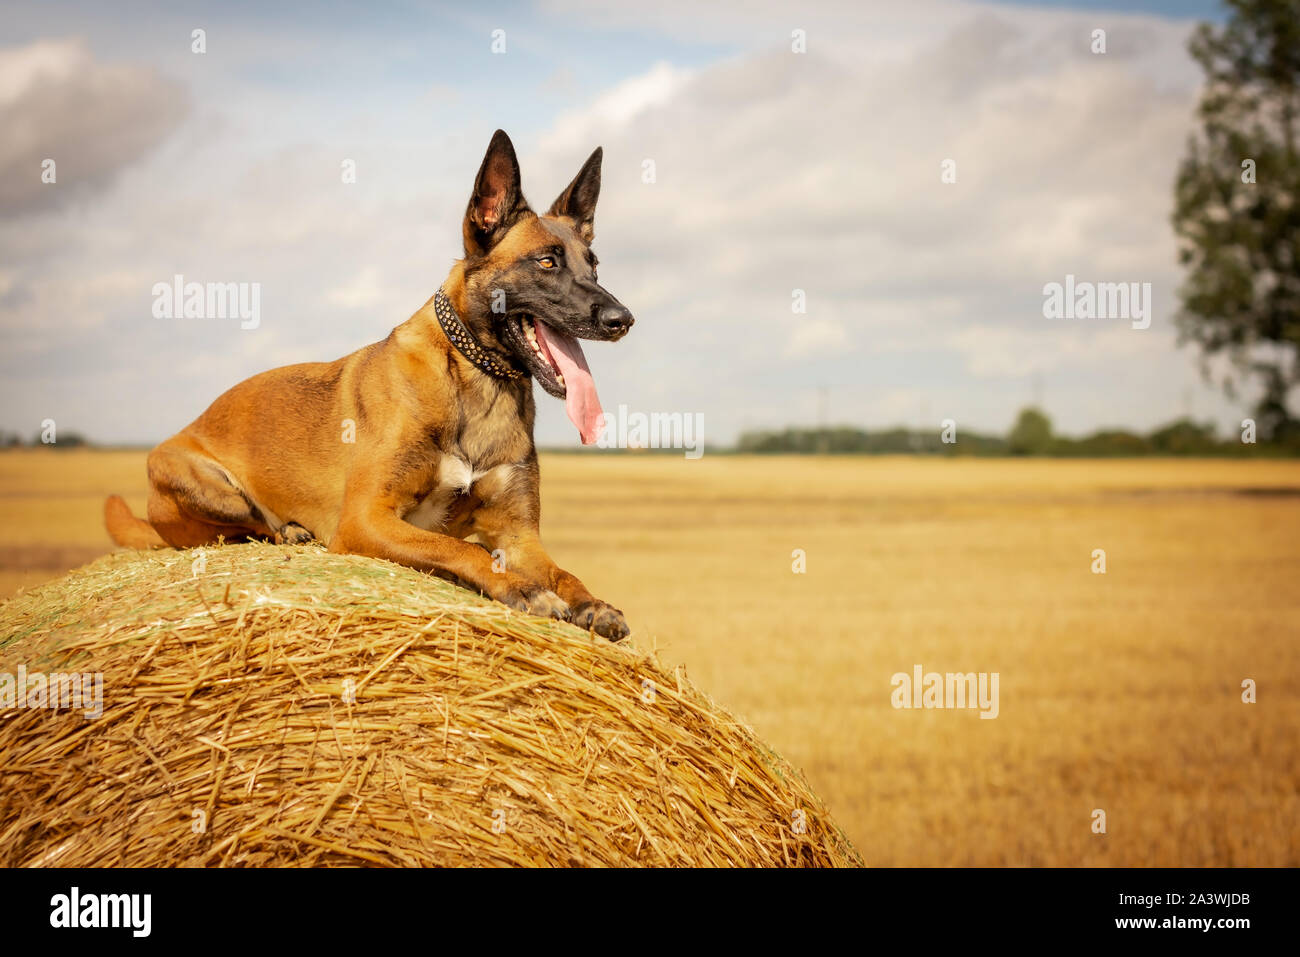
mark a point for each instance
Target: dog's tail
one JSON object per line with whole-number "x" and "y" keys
{"x": 127, "y": 530}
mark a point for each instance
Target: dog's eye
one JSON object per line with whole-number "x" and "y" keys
{"x": 547, "y": 262}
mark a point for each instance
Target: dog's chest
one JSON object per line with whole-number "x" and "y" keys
{"x": 458, "y": 490}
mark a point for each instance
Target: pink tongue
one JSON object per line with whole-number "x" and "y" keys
{"x": 580, "y": 400}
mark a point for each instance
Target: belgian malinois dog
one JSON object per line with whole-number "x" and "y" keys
{"x": 408, "y": 447}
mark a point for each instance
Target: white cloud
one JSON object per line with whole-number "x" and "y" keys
{"x": 822, "y": 172}
{"x": 617, "y": 107}
{"x": 775, "y": 171}
{"x": 58, "y": 102}
{"x": 1002, "y": 352}
{"x": 363, "y": 289}
{"x": 817, "y": 337}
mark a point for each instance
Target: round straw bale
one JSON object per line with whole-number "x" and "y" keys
{"x": 269, "y": 705}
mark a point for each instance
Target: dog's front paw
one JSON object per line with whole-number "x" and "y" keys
{"x": 602, "y": 618}
{"x": 536, "y": 600}
{"x": 291, "y": 533}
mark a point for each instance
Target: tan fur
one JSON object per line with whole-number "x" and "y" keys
{"x": 437, "y": 443}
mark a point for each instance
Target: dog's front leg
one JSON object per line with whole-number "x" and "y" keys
{"x": 508, "y": 524}
{"x": 377, "y": 532}
{"x": 522, "y": 552}
{"x": 586, "y": 610}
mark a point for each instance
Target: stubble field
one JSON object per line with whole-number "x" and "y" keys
{"x": 1119, "y": 691}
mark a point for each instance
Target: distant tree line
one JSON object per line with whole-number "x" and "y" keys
{"x": 67, "y": 440}
{"x": 1031, "y": 434}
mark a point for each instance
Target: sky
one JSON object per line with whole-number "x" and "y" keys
{"x": 778, "y": 177}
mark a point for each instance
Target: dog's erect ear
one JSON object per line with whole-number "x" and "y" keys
{"x": 498, "y": 200}
{"x": 578, "y": 200}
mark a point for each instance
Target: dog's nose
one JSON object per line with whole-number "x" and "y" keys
{"x": 614, "y": 320}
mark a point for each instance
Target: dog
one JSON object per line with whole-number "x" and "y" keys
{"x": 408, "y": 447}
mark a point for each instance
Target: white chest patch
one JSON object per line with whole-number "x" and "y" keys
{"x": 456, "y": 477}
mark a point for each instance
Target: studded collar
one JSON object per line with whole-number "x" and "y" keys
{"x": 493, "y": 363}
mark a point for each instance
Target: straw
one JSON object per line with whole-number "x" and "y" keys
{"x": 265, "y": 705}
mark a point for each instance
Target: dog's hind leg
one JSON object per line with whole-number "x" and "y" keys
{"x": 193, "y": 501}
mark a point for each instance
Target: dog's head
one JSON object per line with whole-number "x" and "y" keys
{"x": 530, "y": 281}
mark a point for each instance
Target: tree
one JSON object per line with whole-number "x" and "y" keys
{"x": 1184, "y": 437}
{"x": 1031, "y": 435}
{"x": 1236, "y": 211}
